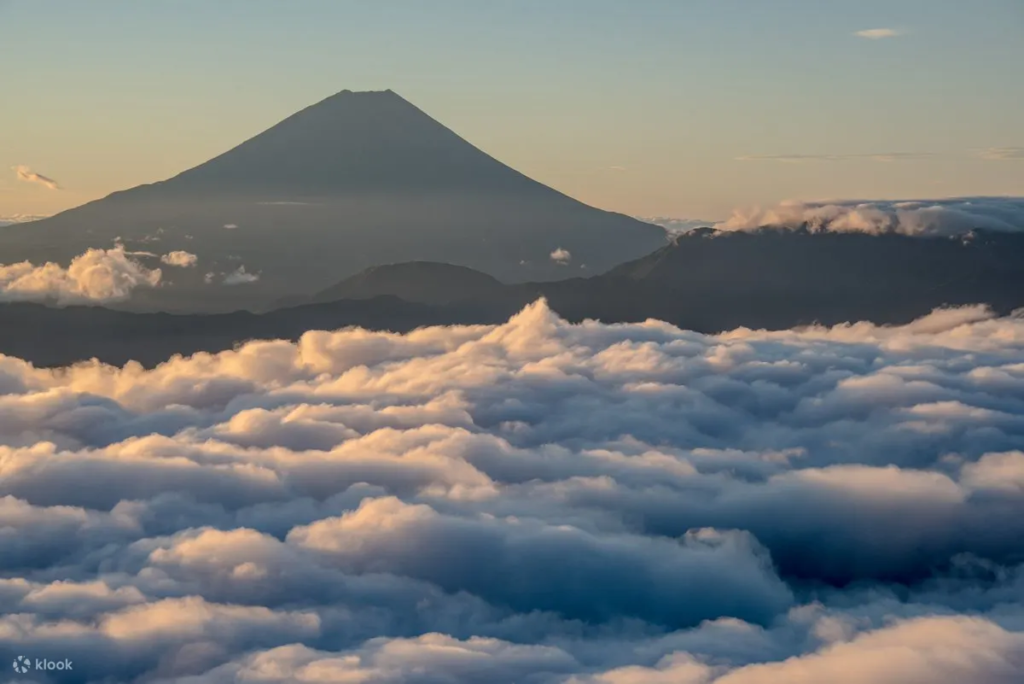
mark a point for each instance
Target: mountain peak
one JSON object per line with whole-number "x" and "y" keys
{"x": 379, "y": 97}
{"x": 386, "y": 91}
{"x": 353, "y": 142}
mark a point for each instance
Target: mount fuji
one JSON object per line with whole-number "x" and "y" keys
{"x": 358, "y": 180}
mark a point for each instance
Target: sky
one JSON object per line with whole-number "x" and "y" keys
{"x": 683, "y": 108}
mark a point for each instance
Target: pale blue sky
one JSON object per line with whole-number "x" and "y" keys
{"x": 642, "y": 106}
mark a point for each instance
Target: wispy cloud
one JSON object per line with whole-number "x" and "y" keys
{"x": 878, "y": 33}
{"x": 789, "y": 158}
{"x": 26, "y": 174}
{"x": 240, "y": 277}
{"x": 1001, "y": 153}
{"x": 898, "y": 156}
{"x": 807, "y": 158}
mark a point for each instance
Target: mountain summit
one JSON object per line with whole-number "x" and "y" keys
{"x": 349, "y": 144}
{"x": 357, "y": 180}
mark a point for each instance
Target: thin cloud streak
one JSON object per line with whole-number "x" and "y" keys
{"x": 1001, "y": 153}
{"x": 879, "y": 33}
{"x": 811, "y": 158}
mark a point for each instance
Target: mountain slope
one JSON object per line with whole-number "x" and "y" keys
{"x": 357, "y": 180}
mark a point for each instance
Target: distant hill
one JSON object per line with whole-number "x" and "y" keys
{"x": 703, "y": 281}
{"x": 357, "y": 180}
{"x": 417, "y": 281}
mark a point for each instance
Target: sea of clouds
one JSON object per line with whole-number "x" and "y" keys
{"x": 535, "y": 502}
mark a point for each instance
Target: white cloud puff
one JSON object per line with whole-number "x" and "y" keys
{"x": 561, "y": 256}
{"x": 534, "y": 501}
{"x": 180, "y": 259}
{"x": 97, "y": 276}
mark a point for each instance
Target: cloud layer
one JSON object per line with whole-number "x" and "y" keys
{"x": 534, "y": 502}
{"x": 941, "y": 217}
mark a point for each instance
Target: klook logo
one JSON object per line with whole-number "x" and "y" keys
{"x": 22, "y": 665}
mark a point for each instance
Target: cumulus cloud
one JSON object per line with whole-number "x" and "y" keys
{"x": 879, "y": 33}
{"x": 180, "y": 259}
{"x": 240, "y": 277}
{"x": 96, "y": 276}
{"x": 561, "y": 256}
{"x": 534, "y": 501}
{"x": 939, "y": 217}
{"x": 27, "y": 175}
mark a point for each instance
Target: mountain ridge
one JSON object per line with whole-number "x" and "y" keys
{"x": 671, "y": 284}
